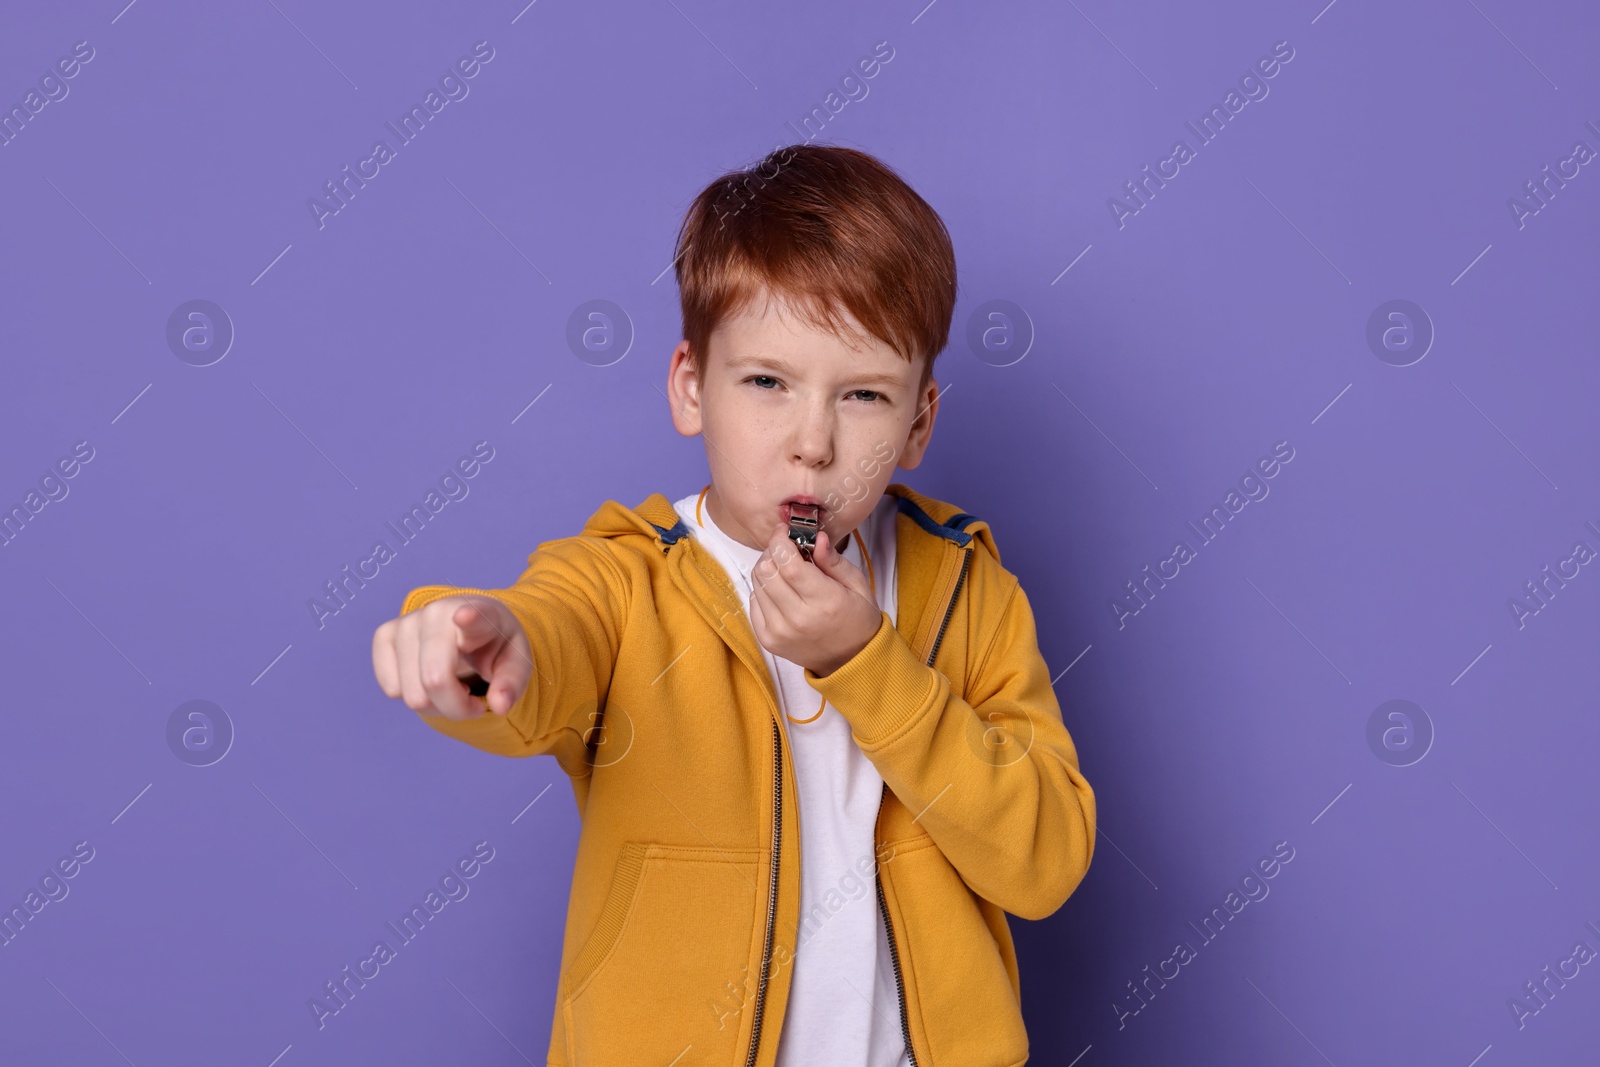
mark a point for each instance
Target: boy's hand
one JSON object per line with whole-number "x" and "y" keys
{"x": 818, "y": 616}
{"x": 423, "y": 656}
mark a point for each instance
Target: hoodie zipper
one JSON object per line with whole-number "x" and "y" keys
{"x": 772, "y": 887}
{"x": 772, "y": 893}
{"x": 777, "y": 838}
{"x": 950, "y": 608}
{"x": 883, "y": 904}
{"x": 894, "y": 958}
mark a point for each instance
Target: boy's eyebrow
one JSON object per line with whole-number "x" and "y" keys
{"x": 770, "y": 363}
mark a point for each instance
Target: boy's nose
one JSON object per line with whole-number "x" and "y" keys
{"x": 814, "y": 453}
{"x": 812, "y": 443}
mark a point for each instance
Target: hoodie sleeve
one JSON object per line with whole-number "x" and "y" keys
{"x": 993, "y": 775}
{"x": 571, "y": 602}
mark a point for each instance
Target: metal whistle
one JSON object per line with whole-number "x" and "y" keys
{"x": 803, "y": 525}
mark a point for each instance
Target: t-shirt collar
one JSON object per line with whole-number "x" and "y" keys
{"x": 743, "y": 555}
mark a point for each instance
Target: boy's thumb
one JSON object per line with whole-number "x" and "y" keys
{"x": 502, "y": 697}
{"x": 837, "y": 567}
{"x": 511, "y": 675}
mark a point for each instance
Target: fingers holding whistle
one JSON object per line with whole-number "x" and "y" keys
{"x": 835, "y": 565}
{"x": 778, "y": 572}
{"x": 818, "y": 613}
{"x": 797, "y": 567}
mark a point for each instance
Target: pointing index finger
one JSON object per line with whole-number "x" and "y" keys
{"x": 474, "y": 627}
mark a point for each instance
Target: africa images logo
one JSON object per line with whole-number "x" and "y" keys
{"x": 453, "y": 88}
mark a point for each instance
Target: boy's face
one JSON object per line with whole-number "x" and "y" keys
{"x": 788, "y": 409}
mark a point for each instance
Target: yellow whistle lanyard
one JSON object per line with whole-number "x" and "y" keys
{"x": 862, "y": 544}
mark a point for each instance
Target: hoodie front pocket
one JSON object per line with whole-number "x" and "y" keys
{"x": 968, "y": 1010}
{"x": 671, "y": 964}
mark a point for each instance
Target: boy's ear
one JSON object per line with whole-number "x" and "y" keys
{"x": 683, "y": 392}
{"x": 921, "y": 427}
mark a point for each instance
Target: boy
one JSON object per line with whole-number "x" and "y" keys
{"x": 758, "y": 739}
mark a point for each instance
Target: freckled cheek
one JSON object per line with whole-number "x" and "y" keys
{"x": 744, "y": 427}
{"x": 864, "y": 443}
{"x": 763, "y": 434}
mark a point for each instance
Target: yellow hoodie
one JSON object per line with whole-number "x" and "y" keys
{"x": 651, "y": 692}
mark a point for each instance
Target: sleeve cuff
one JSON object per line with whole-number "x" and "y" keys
{"x": 882, "y": 689}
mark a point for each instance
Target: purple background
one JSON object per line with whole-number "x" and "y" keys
{"x": 1229, "y": 314}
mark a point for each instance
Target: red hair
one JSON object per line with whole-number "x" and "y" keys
{"x": 829, "y": 228}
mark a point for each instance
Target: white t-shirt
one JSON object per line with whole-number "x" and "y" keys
{"x": 844, "y": 1009}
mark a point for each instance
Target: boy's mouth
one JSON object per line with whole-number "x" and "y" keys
{"x": 805, "y": 507}
{"x": 804, "y": 518}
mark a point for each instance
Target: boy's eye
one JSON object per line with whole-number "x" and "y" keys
{"x": 758, "y": 378}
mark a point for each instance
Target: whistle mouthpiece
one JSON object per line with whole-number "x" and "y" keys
{"x": 803, "y": 525}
